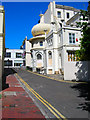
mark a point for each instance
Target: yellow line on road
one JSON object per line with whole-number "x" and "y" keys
{"x": 54, "y": 78}
{"x": 47, "y": 104}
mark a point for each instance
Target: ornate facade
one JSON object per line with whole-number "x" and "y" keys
{"x": 55, "y": 40}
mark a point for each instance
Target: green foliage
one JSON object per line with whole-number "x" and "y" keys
{"x": 83, "y": 53}
{"x": 0, "y": 96}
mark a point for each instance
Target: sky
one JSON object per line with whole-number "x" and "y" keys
{"x": 20, "y": 17}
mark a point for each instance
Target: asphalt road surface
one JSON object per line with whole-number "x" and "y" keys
{"x": 68, "y": 98}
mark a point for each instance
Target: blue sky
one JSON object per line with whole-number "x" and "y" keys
{"x": 20, "y": 17}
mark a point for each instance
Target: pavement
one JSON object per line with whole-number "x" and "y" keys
{"x": 69, "y": 98}
{"x": 15, "y": 102}
{"x": 56, "y": 76}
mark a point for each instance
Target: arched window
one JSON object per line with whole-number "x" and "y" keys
{"x": 50, "y": 55}
{"x": 39, "y": 56}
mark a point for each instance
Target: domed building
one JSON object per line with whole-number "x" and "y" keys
{"x": 55, "y": 40}
{"x": 37, "y": 43}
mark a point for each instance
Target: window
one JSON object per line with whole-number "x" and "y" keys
{"x": 39, "y": 57}
{"x": 50, "y": 55}
{"x": 71, "y": 56}
{"x": 59, "y": 14}
{"x": 8, "y": 63}
{"x": 8, "y": 55}
{"x": 17, "y": 64}
{"x": 32, "y": 45}
{"x": 51, "y": 42}
{"x": 18, "y": 55}
{"x": 41, "y": 43}
{"x": 71, "y": 38}
{"x": 67, "y": 15}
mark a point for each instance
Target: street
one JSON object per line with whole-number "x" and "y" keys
{"x": 61, "y": 95}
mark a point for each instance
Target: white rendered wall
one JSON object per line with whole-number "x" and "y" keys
{"x": 1, "y": 43}
{"x": 64, "y": 14}
{"x": 28, "y": 55}
{"x": 1, "y": 60}
{"x": 48, "y": 13}
{"x": 13, "y": 56}
{"x": 1, "y": 22}
{"x": 56, "y": 53}
{"x": 36, "y": 43}
{"x": 66, "y": 36}
{"x": 77, "y": 71}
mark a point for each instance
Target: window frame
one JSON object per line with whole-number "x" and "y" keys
{"x": 49, "y": 56}
{"x": 19, "y": 55}
{"x": 72, "y": 38}
{"x": 71, "y": 56}
{"x": 68, "y": 15}
{"x": 41, "y": 43}
{"x": 8, "y": 54}
{"x": 59, "y": 15}
{"x": 8, "y": 63}
{"x": 39, "y": 56}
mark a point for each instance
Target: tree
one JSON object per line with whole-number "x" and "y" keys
{"x": 84, "y": 53}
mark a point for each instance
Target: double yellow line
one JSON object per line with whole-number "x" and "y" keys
{"x": 55, "y": 112}
{"x": 64, "y": 81}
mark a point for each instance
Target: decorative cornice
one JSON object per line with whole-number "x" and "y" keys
{"x": 37, "y": 37}
{"x": 72, "y": 46}
{"x": 37, "y": 48}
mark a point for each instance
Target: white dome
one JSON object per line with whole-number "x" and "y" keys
{"x": 40, "y": 28}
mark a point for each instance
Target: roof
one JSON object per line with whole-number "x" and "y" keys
{"x": 73, "y": 18}
{"x": 36, "y": 37}
{"x": 67, "y": 8}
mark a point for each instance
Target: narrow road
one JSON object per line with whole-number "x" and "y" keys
{"x": 64, "y": 97}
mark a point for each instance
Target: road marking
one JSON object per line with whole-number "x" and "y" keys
{"x": 55, "y": 112}
{"x": 54, "y": 78}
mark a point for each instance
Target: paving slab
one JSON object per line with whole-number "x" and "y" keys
{"x": 16, "y": 103}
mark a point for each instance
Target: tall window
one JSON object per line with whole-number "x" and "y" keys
{"x": 18, "y": 55}
{"x": 41, "y": 43}
{"x": 67, "y": 15}
{"x": 72, "y": 38}
{"x": 72, "y": 56}
{"x": 50, "y": 55}
{"x": 32, "y": 45}
{"x": 59, "y": 14}
{"x": 8, "y": 55}
{"x": 39, "y": 56}
{"x": 51, "y": 42}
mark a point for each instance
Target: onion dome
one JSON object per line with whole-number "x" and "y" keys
{"x": 40, "y": 29}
